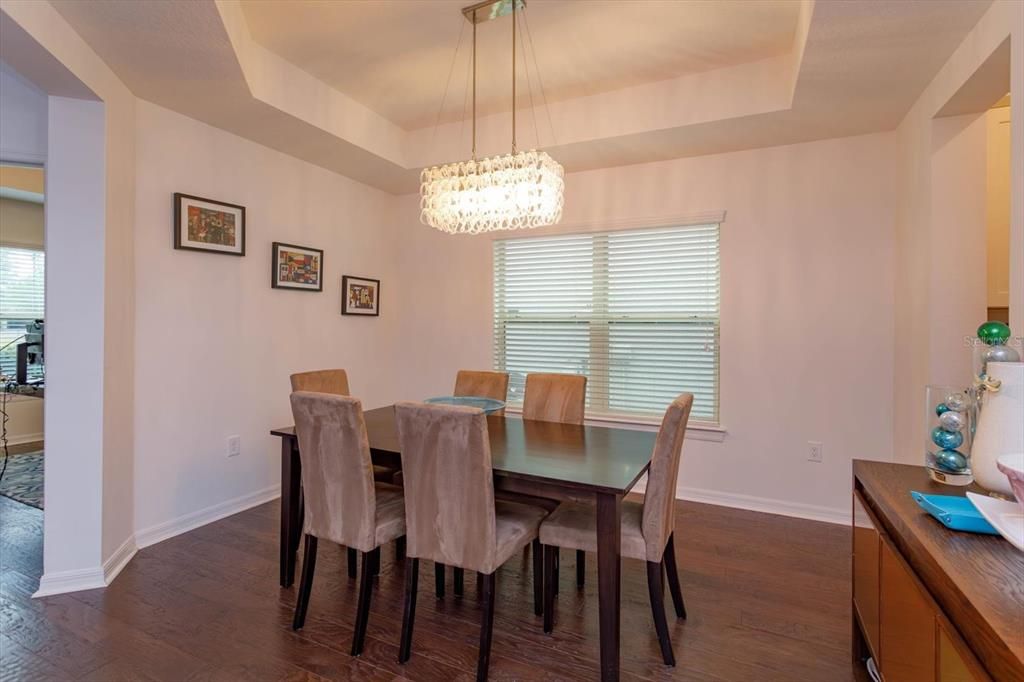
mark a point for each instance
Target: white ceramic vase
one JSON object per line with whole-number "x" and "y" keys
{"x": 1000, "y": 426}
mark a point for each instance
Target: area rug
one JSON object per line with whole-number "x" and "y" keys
{"x": 23, "y": 480}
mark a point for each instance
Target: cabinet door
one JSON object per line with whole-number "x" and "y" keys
{"x": 906, "y": 623}
{"x": 954, "y": 662}
{"x": 865, "y": 572}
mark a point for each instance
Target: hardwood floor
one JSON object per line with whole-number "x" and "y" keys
{"x": 767, "y": 599}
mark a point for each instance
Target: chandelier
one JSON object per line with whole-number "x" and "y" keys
{"x": 508, "y": 192}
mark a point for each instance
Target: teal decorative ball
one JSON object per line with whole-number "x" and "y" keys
{"x": 941, "y": 409}
{"x": 993, "y": 333}
{"x": 951, "y": 460}
{"x": 947, "y": 440}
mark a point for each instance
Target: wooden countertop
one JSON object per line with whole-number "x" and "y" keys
{"x": 977, "y": 580}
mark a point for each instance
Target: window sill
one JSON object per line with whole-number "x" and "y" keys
{"x": 694, "y": 430}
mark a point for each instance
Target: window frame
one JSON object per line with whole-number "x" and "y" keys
{"x": 35, "y": 372}
{"x": 699, "y": 429}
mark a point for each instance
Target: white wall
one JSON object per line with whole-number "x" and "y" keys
{"x": 807, "y": 308}
{"x": 215, "y": 343}
{"x": 919, "y": 288}
{"x": 22, "y": 118}
{"x": 958, "y": 246}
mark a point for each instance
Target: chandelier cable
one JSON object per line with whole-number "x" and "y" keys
{"x": 540, "y": 79}
{"x": 529, "y": 90}
{"x": 447, "y": 83}
{"x": 514, "y": 76}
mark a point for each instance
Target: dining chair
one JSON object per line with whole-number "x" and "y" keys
{"x": 335, "y": 382}
{"x": 452, "y": 517}
{"x": 558, "y": 398}
{"x": 646, "y": 531}
{"x": 482, "y": 384}
{"x": 555, "y": 398}
{"x": 343, "y": 503}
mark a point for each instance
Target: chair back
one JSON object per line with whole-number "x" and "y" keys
{"x": 481, "y": 384}
{"x": 555, "y": 398}
{"x": 337, "y": 473}
{"x": 449, "y": 485}
{"x": 659, "y": 498}
{"x": 322, "y": 381}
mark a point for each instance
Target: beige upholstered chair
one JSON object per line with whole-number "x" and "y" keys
{"x": 334, "y": 381}
{"x": 555, "y": 398}
{"x": 558, "y": 398}
{"x": 451, "y": 514}
{"x": 647, "y": 527}
{"x": 481, "y": 384}
{"x": 343, "y": 503}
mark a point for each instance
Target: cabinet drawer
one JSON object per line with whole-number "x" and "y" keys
{"x": 906, "y": 623}
{"x": 866, "y": 572}
{"x": 954, "y": 662}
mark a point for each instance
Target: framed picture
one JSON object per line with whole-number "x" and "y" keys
{"x": 296, "y": 267}
{"x": 208, "y": 225}
{"x": 360, "y": 296}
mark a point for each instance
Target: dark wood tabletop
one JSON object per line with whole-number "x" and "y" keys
{"x": 595, "y": 459}
{"x": 977, "y": 580}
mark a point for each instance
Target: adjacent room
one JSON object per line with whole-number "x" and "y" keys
{"x": 513, "y": 340}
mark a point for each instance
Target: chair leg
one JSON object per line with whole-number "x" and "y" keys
{"x": 412, "y": 579}
{"x": 353, "y": 557}
{"x": 538, "y": 577}
{"x": 558, "y": 565}
{"x": 658, "y": 610}
{"x": 581, "y": 568}
{"x": 363, "y": 607}
{"x": 400, "y": 548}
{"x": 306, "y": 582}
{"x": 549, "y": 587}
{"x": 673, "y": 577}
{"x": 486, "y": 629}
{"x": 439, "y": 580}
{"x": 457, "y": 579}
{"x": 375, "y": 559}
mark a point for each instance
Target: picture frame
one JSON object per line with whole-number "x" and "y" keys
{"x": 296, "y": 267}
{"x": 208, "y": 225}
{"x": 360, "y": 296}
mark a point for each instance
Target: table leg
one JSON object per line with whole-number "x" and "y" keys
{"x": 291, "y": 476}
{"x": 609, "y": 521}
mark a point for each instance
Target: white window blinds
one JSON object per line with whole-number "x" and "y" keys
{"x": 22, "y": 286}
{"x": 636, "y": 311}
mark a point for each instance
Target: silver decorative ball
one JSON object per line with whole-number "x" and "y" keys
{"x": 1000, "y": 354}
{"x": 956, "y": 402}
{"x": 953, "y": 421}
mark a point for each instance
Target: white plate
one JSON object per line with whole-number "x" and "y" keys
{"x": 1007, "y": 517}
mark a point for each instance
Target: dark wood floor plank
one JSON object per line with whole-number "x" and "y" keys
{"x": 767, "y": 599}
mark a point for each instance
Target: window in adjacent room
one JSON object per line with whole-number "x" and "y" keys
{"x": 21, "y": 302}
{"x": 636, "y": 311}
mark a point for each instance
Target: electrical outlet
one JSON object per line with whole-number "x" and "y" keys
{"x": 234, "y": 446}
{"x": 813, "y": 451}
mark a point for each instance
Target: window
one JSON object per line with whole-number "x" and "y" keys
{"x": 636, "y": 311}
{"x": 21, "y": 301}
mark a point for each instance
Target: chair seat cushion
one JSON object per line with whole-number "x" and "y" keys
{"x": 516, "y": 525}
{"x": 574, "y": 526}
{"x": 390, "y": 513}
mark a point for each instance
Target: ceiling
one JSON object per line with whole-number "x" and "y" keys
{"x": 355, "y": 86}
{"x": 395, "y": 56}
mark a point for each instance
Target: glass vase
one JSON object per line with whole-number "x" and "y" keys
{"x": 950, "y": 414}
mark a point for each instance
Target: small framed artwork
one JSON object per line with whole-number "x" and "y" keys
{"x": 360, "y": 296}
{"x": 296, "y": 267}
{"x": 208, "y": 225}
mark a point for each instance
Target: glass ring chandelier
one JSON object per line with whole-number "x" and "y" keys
{"x": 522, "y": 189}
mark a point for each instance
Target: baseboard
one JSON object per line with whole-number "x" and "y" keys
{"x": 168, "y": 529}
{"x": 766, "y": 505}
{"x": 119, "y": 559}
{"x": 70, "y": 581}
{"x": 26, "y": 438}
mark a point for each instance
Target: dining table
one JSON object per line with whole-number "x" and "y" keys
{"x": 544, "y": 459}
